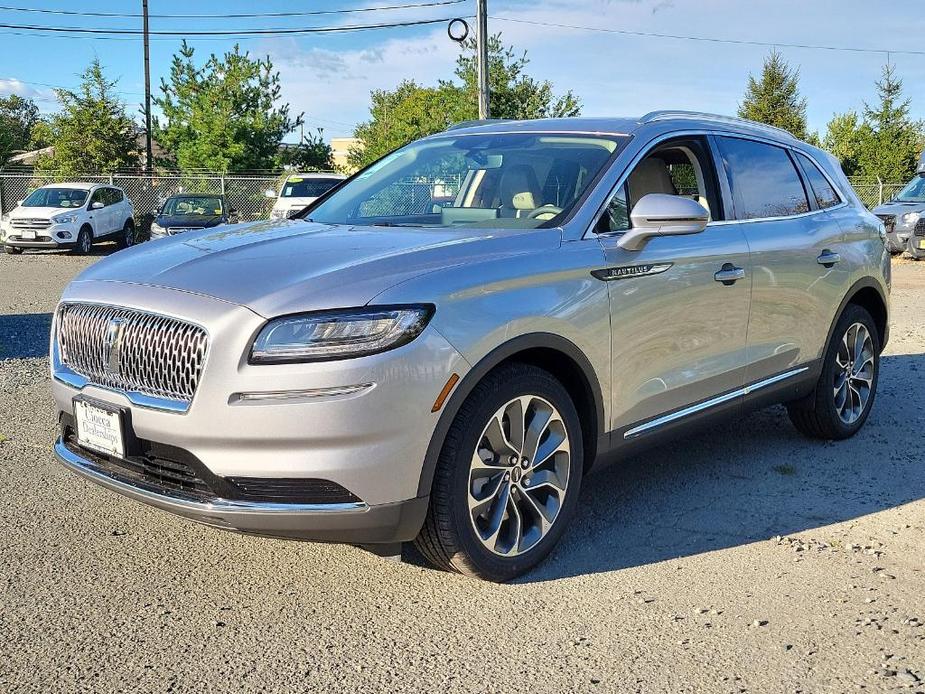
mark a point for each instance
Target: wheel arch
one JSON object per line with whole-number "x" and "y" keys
{"x": 867, "y": 294}
{"x": 553, "y": 353}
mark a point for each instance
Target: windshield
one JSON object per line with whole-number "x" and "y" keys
{"x": 913, "y": 192}
{"x": 56, "y": 197}
{"x": 296, "y": 187}
{"x": 516, "y": 180}
{"x": 193, "y": 205}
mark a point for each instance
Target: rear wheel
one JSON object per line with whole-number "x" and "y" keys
{"x": 844, "y": 395}
{"x": 508, "y": 476}
{"x": 84, "y": 241}
{"x": 127, "y": 238}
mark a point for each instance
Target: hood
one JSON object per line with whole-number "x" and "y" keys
{"x": 41, "y": 212}
{"x": 899, "y": 208}
{"x": 289, "y": 266}
{"x": 190, "y": 221}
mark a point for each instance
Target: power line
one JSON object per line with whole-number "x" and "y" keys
{"x": 708, "y": 39}
{"x": 278, "y": 31}
{"x": 58, "y": 86}
{"x": 256, "y": 15}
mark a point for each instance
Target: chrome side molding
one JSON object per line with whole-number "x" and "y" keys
{"x": 708, "y": 404}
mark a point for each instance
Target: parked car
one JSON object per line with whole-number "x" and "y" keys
{"x": 378, "y": 371}
{"x": 191, "y": 211}
{"x": 69, "y": 215}
{"x": 301, "y": 190}
{"x": 904, "y": 216}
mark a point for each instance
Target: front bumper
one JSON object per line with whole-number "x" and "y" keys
{"x": 364, "y": 424}
{"x": 354, "y": 522}
{"x": 45, "y": 238}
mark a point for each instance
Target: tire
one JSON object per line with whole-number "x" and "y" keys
{"x": 455, "y": 539}
{"x": 12, "y": 250}
{"x": 833, "y": 411}
{"x": 127, "y": 240}
{"x": 84, "y": 241}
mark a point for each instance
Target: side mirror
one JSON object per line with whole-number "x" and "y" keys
{"x": 269, "y": 194}
{"x": 657, "y": 214}
{"x": 96, "y": 205}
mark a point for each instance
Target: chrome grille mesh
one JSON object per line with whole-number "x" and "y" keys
{"x": 155, "y": 355}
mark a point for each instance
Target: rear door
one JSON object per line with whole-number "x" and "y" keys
{"x": 795, "y": 247}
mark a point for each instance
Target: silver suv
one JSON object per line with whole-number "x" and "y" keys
{"x": 442, "y": 348}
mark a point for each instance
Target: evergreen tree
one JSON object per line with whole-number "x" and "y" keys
{"x": 892, "y": 149}
{"x": 311, "y": 154}
{"x": 224, "y": 115}
{"x": 774, "y": 97}
{"x": 92, "y": 134}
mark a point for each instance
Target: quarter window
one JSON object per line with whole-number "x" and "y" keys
{"x": 822, "y": 190}
{"x": 763, "y": 178}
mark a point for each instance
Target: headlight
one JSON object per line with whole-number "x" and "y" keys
{"x": 5, "y": 217}
{"x": 910, "y": 217}
{"x": 157, "y": 228}
{"x": 342, "y": 334}
{"x": 64, "y": 219}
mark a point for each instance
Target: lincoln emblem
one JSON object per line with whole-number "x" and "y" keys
{"x": 113, "y": 346}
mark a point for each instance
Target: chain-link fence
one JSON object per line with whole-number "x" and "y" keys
{"x": 246, "y": 194}
{"x": 873, "y": 191}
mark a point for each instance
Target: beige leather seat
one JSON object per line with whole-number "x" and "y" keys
{"x": 520, "y": 191}
{"x": 650, "y": 176}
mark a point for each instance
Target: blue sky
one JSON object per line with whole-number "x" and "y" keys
{"x": 329, "y": 76}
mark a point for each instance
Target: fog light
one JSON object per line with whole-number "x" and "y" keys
{"x": 64, "y": 234}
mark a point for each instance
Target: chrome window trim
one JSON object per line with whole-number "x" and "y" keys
{"x": 708, "y": 404}
{"x": 654, "y": 142}
{"x": 86, "y": 467}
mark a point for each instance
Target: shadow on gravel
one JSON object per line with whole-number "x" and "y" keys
{"x": 746, "y": 481}
{"x": 24, "y": 335}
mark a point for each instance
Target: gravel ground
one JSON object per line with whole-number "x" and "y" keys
{"x": 744, "y": 559}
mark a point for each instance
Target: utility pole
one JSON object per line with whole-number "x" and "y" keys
{"x": 148, "y": 160}
{"x": 481, "y": 37}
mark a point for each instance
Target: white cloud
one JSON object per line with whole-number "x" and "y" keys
{"x": 12, "y": 85}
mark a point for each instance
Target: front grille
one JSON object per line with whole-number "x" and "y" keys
{"x": 889, "y": 221}
{"x": 920, "y": 228}
{"x": 132, "y": 350}
{"x": 30, "y": 223}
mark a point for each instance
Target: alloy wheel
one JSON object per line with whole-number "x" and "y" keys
{"x": 854, "y": 373}
{"x": 518, "y": 475}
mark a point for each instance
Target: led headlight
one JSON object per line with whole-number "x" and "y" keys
{"x": 911, "y": 217}
{"x": 157, "y": 228}
{"x": 64, "y": 219}
{"x": 342, "y": 334}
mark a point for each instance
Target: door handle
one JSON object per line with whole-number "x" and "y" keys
{"x": 827, "y": 258}
{"x": 729, "y": 274}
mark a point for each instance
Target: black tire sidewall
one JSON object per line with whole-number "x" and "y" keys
{"x": 507, "y": 386}
{"x": 853, "y": 314}
{"x": 128, "y": 235}
{"x": 79, "y": 246}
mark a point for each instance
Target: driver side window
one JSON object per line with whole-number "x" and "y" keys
{"x": 678, "y": 167}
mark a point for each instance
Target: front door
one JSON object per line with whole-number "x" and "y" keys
{"x": 679, "y": 306}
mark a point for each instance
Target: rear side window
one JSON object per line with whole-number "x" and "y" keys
{"x": 822, "y": 190}
{"x": 116, "y": 195}
{"x": 763, "y": 178}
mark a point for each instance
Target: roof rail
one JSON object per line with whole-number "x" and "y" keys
{"x": 477, "y": 121}
{"x": 695, "y": 115}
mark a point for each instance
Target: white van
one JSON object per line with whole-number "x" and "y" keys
{"x": 301, "y": 190}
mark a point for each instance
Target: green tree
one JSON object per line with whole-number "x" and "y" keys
{"x": 92, "y": 134}
{"x": 774, "y": 97}
{"x": 411, "y": 111}
{"x": 846, "y": 136}
{"x": 892, "y": 149}
{"x": 18, "y": 117}
{"x": 224, "y": 115}
{"x": 311, "y": 154}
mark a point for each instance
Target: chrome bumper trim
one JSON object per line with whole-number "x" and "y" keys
{"x": 282, "y": 396}
{"x": 88, "y": 469}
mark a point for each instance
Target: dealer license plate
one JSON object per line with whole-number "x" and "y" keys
{"x": 28, "y": 235}
{"x": 99, "y": 428}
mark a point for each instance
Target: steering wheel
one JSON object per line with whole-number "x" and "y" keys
{"x": 545, "y": 212}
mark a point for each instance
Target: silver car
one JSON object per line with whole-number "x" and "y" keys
{"x": 904, "y": 217}
{"x": 442, "y": 348}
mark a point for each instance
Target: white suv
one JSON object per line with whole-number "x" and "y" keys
{"x": 301, "y": 190}
{"x": 69, "y": 215}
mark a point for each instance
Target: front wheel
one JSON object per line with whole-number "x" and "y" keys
{"x": 508, "y": 476}
{"x": 84, "y": 241}
{"x": 845, "y": 392}
{"x": 127, "y": 238}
